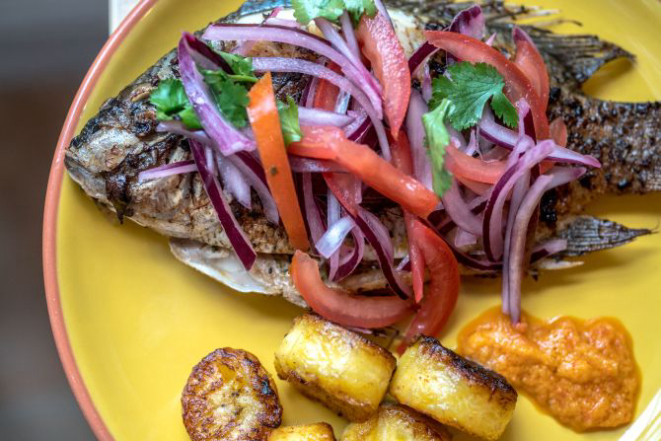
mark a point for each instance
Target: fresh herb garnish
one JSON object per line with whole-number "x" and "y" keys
{"x": 241, "y": 66}
{"x": 230, "y": 95}
{"x": 438, "y": 139}
{"x": 171, "y": 102}
{"x": 291, "y": 128}
{"x": 307, "y": 10}
{"x": 469, "y": 88}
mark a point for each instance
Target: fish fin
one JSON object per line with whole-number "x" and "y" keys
{"x": 581, "y": 55}
{"x": 586, "y": 234}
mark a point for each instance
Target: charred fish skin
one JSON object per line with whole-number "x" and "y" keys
{"x": 121, "y": 140}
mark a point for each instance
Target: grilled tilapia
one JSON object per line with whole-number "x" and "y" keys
{"x": 121, "y": 141}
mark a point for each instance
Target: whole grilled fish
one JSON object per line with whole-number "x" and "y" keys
{"x": 121, "y": 141}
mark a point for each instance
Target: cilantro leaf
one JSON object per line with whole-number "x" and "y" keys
{"x": 505, "y": 110}
{"x": 469, "y": 89}
{"x": 438, "y": 139}
{"x": 356, "y": 8}
{"x": 241, "y": 66}
{"x": 231, "y": 98}
{"x": 171, "y": 102}
{"x": 291, "y": 128}
{"x": 307, "y": 10}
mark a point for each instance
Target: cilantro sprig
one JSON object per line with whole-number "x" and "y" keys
{"x": 231, "y": 97}
{"x": 171, "y": 102}
{"x": 228, "y": 90}
{"x": 469, "y": 88}
{"x": 307, "y": 10}
{"x": 289, "y": 122}
{"x": 438, "y": 139}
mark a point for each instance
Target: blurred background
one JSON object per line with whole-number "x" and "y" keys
{"x": 46, "y": 47}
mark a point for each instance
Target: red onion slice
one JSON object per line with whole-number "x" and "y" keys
{"x": 319, "y": 117}
{"x": 244, "y": 47}
{"x": 515, "y": 267}
{"x": 422, "y": 169}
{"x": 234, "y": 181}
{"x": 463, "y": 239}
{"x": 469, "y": 22}
{"x": 174, "y": 168}
{"x": 334, "y": 236}
{"x": 253, "y": 172}
{"x": 334, "y": 37}
{"x": 420, "y": 55}
{"x": 349, "y": 34}
{"x": 312, "y": 213}
{"x": 204, "y": 56}
{"x": 518, "y": 245}
{"x": 296, "y": 37}
{"x": 280, "y": 64}
{"x": 285, "y": 23}
{"x": 493, "y": 214}
{"x": 378, "y": 237}
{"x": 507, "y": 138}
{"x": 360, "y": 119}
{"x": 519, "y": 192}
{"x": 427, "y": 87}
{"x": 178, "y": 128}
{"x": 223, "y": 134}
{"x": 235, "y": 234}
{"x": 351, "y": 262}
{"x": 547, "y": 249}
{"x": 459, "y": 211}
{"x": 333, "y": 213}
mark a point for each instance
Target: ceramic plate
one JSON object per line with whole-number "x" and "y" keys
{"x": 130, "y": 321}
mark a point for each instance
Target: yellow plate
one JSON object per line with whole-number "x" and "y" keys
{"x": 137, "y": 320}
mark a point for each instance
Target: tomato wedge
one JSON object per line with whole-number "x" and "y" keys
{"x": 559, "y": 131}
{"x": 373, "y": 170}
{"x": 474, "y": 186}
{"x": 401, "y": 158}
{"x": 326, "y": 94}
{"x": 517, "y": 85}
{"x": 441, "y": 296}
{"x": 346, "y": 188}
{"x": 532, "y": 64}
{"x": 475, "y": 169}
{"x": 382, "y": 48}
{"x": 340, "y": 306}
{"x": 265, "y": 122}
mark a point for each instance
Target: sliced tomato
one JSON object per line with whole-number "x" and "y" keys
{"x": 441, "y": 296}
{"x": 382, "y": 48}
{"x": 532, "y": 64}
{"x": 401, "y": 158}
{"x": 474, "y": 186}
{"x": 325, "y": 96}
{"x": 517, "y": 85}
{"x": 265, "y": 122}
{"x": 373, "y": 170}
{"x": 346, "y": 188}
{"x": 474, "y": 169}
{"x": 340, "y": 306}
{"x": 559, "y": 131}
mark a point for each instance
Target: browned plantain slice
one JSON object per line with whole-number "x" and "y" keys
{"x": 229, "y": 396}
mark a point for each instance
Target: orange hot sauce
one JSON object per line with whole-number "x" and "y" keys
{"x": 582, "y": 372}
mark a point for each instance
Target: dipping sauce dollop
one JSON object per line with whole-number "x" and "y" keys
{"x": 582, "y": 372}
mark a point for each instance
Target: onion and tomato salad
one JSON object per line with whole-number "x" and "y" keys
{"x": 466, "y": 156}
